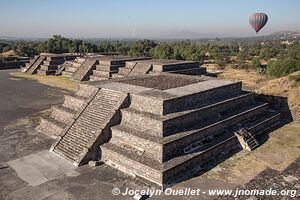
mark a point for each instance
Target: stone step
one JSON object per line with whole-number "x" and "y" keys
{"x": 112, "y": 62}
{"x": 63, "y": 114}
{"x": 124, "y": 71}
{"x": 76, "y": 65}
{"x": 28, "y": 65}
{"x": 214, "y": 92}
{"x": 117, "y": 76}
{"x": 48, "y": 67}
{"x": 74, "y": 140}
{"x": 162, "y": 173}
{"x": 175, "y": 67}
{"x": 104, "y": 74}
{"x": 46, "y": 72}
{"x": 271, "y": 120}
{"x": 131, "y": 64}
{"x": 80, "y": 60}
{"x": 74, "y": 101}
{"x": 65, "y": 151}
{"x": 53, "y": 62}
{"x": 71, "y": 69}
{"x": 55, "y": 58}
{"x": 97, "y": 78}
{"x": 67, "y": 74}
{"x": 77, "y": 133}
{"x": 51, "y": 126}
{"x": 193, "y": 71}
{"x": 108, "y": 67}
{"x": 179, "y": 121}
{"x": 120, "y": 61}
{"x": 60, "y": 69}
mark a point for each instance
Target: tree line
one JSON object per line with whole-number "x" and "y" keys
{"x": 282, "y": 58}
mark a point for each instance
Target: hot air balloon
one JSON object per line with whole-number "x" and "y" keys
{"x": 258, "y": 21}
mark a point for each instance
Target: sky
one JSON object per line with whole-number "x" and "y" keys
{"x": 143, "y": 18}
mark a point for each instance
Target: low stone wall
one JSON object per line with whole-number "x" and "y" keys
{"x": 12, "y": 64}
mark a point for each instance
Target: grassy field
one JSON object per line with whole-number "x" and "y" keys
{"x": 8, "y": 53}
{"x": 55, "y": 81}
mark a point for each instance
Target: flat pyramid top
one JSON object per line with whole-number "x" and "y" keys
{"x": 161, "y": 82}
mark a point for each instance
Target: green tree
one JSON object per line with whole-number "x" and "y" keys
{"x": 283, "y": 67}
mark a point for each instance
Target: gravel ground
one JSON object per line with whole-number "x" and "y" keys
{"x": 160, "y": 82}
{"x": 289, "y": 179}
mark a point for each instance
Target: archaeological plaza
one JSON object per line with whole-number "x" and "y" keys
{"x": 157, "y": 120}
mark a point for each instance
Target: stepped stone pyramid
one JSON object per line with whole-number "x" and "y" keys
{"x": 46, "y": 63}
{"x": 159, "y": 127}
{"x": 111, "y": 65}
{"x": 136, "y": 68}
{"x": 175, "y": 125}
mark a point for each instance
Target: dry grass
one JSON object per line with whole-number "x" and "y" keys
{"x": 288, "y": 86}
{"x": 8, "y": 53}
{"x": 281, "y": 149}
{"x": 55, "y": 81}
{"x": 250, "y": 78}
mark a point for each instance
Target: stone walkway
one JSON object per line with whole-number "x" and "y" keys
{"x": 41, "y": 167}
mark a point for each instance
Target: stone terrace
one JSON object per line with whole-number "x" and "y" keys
{"x": 135, "y": 68}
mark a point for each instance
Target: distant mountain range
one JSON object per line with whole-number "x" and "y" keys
{"x": 190, "y": 35}
{"x": 181, "y": 35}
{"x": 287, "y": 33}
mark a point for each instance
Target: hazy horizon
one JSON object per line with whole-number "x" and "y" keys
{"x": 143, "y": 19}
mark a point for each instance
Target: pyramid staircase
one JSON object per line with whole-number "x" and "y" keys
{"x": 246, "y": 139}
{"x": 70, "y": 67}
{"x": 30, "y": 63}
{"x": 86, "y": 69}
{"x": 35, "y": 65}
{"x": 64, "y": 114}
{"x": 80, "y": 141}
{"x": 105, "y": 69}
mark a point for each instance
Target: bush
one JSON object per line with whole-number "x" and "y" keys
{"x": 283, "y": 67}
{"x": 255, "y": 63}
